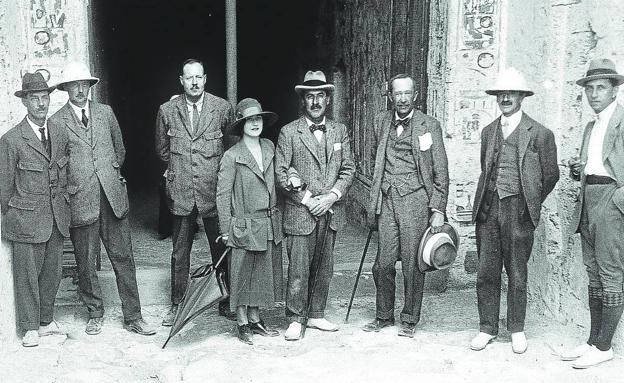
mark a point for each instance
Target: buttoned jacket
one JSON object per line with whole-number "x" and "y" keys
{"x": 96, "y": 154}
{"x": 33, "y": 185}
{"x": 297, "y": 149}
{"x": 192, "y": 158}
{"x": 429, "y": 155}
{"x": 537, "y": 161}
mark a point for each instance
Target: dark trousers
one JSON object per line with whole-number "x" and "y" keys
{"x": 504, "y": 238}
{"x": 115, "y": 235}
{"x": 37, "y": 275}
{"x": 304, "y": 255}
{"x": 402, "y": 223}
{"x": 182, "y": 236}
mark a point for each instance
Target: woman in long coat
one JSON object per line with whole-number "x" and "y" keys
{"x": 249, "y": 220}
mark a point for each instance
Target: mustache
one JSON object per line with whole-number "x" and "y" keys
{"x": 506, "y": 103}
{"x": 195, "y": 86}
{"x": 315, "y": 107}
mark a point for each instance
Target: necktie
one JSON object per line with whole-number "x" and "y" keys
{"x": 400, "y": 124}
{"x": 195, "y": 118}
{"x": 505, "y": 127}
{"x": 44, "y": 141}
{"x": 84, "y": 119}
{"x": 320, "y": 127}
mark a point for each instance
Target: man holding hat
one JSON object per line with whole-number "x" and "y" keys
{"x": 189, "y": 140}
{"x": 98, "y": 199}
{"x": 518, "y": 171}
{"x": 409, "y": 193}
{"x": 319, "y": 151}
{"x": 599, "y": 215}
{"x": 35, "y": 208}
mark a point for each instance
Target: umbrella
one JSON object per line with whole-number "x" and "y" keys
{"x": 206, "y": 288}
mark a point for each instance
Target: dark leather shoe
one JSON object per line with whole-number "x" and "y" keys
{"x": 170, "y": 317}
{"x": 140, "y": 327}
{"x": 94, "y": 326}
{"x": 407, "y": 329}
{"x": 260, "y": 329}
{"x": 244, "y": 334}
{"x": 225, "y": 311}
{"x": 378, "y": 324}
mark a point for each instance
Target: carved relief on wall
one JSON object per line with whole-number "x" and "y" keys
{"x": 48, "y": 25}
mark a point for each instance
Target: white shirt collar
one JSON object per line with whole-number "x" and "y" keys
{"x": 409, "y": 115}
{"x": 310, "y": 123}
{"x": 78, "y": 110}
{"x": 513, "y": 121}
{"x": 607, "y": 112}
{"x": 36, "y": 127}
{"x": 199, "y": 103}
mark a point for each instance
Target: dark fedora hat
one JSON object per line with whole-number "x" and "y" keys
{"x": 250, "y": 107}
{"x": 33, "y": 82}
{"x": 601, "y": 68}
{"x": 438, "y": 251}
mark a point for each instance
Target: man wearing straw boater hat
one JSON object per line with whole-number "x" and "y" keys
{"x": 318, "y": 149}
{"x": 518, "y": 171}
{"x": 599, "y": 215}
{"x": 98, "y": 199}
{"x": 34, "y": 207}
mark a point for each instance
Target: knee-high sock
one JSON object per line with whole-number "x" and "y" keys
{"x": 595, "y": 313}
{"x": 613, "y": 306}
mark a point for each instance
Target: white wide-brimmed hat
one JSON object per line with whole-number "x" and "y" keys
{"x": 438, "y": 251}
{"x": 76, "y": 71}
{"x": 510, "y": 79}
{"x": 314, "y": 80}
{"x": 601, "y": 68}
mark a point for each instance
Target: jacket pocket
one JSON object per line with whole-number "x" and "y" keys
{"x": 176, "y": 141}
{"x": 31, "y": 177}
{"x": 213, "y": 144}
{"x": 22, "y": 204}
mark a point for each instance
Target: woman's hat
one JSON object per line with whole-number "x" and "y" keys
{"x": 438, "y": 251}
{"x": 249, "y": 107}
{"x": 76, "y": 71}
{"x": 510, "y": 79}
{"x": 601, "y": 68}
{"x": 314, "y": 80}
{"x": 33, "y": 82}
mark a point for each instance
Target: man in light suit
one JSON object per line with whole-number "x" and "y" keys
{"x": 319, "y": 151}
{"x": 518, "y": 171}
{"x": 599, "y": 215}
{"x": 409, "y": 193}
{"x": 35, "y": 208}
{"x": 98, "y": 199}
{"x": 189, "y": 140}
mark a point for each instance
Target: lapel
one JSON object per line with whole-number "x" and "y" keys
{"x": 183, "y": 113}
{"x": 418, "y": 127}
{"x": 308, "y": 138}
{"x": 613, "y": 130}
{"x": 31, "y": 138}
{"x": 330, "y": 138}
{"x": 53, "y": 135}
{"x": 267, "y": 154}
{"x": 383, "y": 139}
{"x": 74, "y": 124}
{"x": 206, "y": 116}
{"x": 584, "y": 146}
{"x": 244, "y": 157}
{"x": 524, "y": 136}
{"x": 96, "y": 118}
{"x": 492, "y": 142}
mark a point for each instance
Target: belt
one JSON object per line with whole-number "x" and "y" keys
{"x": 598, "y": 180}
{"x": 263, "y": 213}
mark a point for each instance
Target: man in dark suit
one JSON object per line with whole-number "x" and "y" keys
{"x": 189, "y": 140}
{"x": 318, "y": 150}
{"x": 599, "y": 215}
{"x": 409, "y": 193}
{"x": 98, "y": 199}
{"x": 518, "y": 171}
{"x": 35, "y": 208}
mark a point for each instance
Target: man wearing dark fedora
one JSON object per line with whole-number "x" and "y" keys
{"x": 98, "y": 199}
{"x": 190, "y": 142}
{"x": 319, "y": 150}
{"x": 599, "y": 214}
{"x": 408, "y": 194}
{"x": 35, "y": 208}
{"x": 518, "y": 171}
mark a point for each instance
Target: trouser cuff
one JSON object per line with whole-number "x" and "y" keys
{"x": 385, "y": 315}
{"x": 595, "y": 292}
{"x": 413, "y": 319}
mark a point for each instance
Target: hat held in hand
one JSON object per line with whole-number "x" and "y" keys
{"x": 438, "y": 251}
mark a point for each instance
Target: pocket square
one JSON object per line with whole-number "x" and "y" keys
{"x": 425, "y": 141}
{"x": 337, "y": 146}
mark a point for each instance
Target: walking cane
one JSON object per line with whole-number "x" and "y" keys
{"x": 304, "y": 322}
{"x": 357, "y": 278}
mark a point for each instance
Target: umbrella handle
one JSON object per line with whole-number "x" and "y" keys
{"x": 222, "y": 257}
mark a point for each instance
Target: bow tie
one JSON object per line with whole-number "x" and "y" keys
{"x": 403, "y": 122}
{"x": 315, "y": 127}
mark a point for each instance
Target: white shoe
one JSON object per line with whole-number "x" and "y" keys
{"x": 575, "y": 353}
{"x": 593, "y": 357}
{"x": 30, "y": 339}
{"x": 480, "y": 341}
{"x": 322, "y": 324}
{"x": 519, "y": 342}
{"x": 294, "y": 331}
{"x": 52, "y": 329}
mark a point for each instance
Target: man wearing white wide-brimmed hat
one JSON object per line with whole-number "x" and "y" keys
{"x": 98, "y": 199}
{"x": 518, "y": 171}
{"x": 599, "y": 215}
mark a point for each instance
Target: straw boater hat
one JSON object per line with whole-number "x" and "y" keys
{"x": 510, "y": 79}
{"x": 76, "y": 71}
{"x": 314, "y": 80}
{"x": 438, "y": 251}
{"x": 601, "y": 68}
{"x": 33, "y": 82}
{"x": 249, "y": 107}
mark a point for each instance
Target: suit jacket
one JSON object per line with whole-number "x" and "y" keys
{"x": 296, "y": 150}
{"x": 192, "y": 157}
{"x": 429, "y": 155}
{"x": 33, "y": 185}
{"x": 537, "y": 159}
{"x": 96, "y": 154}
{"x": 612, "y": 157}
{"x": 246, "y": 198}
